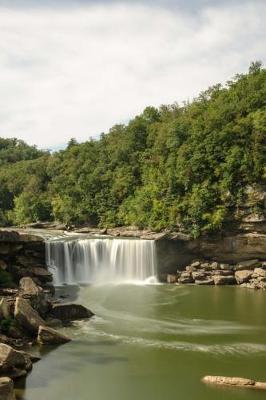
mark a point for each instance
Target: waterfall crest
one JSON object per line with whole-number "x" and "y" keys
{"x": 96, "y": 260}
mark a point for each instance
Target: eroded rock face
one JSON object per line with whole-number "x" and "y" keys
{"x": 6, "y": 389}
{"x": 51, "y": 336}
{"x": 229, "y": 250}
{"x": 28, "y": 318}
{"x": 70, "y": 312}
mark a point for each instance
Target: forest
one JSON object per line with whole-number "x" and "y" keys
{"x": 184, "y": 167}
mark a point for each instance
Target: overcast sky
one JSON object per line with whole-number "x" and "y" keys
{"x": 75, "y": 68}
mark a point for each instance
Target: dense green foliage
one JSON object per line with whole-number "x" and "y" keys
{"x": 174, "y": 167}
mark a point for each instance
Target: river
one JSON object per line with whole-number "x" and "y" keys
{"x": 156, "y": 342}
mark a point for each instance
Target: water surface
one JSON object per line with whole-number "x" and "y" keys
{"x": 156, "y": 342}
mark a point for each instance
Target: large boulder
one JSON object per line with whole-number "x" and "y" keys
{"x": 29, "y": 289}
{"x": 70, "y": 312}
{"x": 10, "y": 358}
{"x": 51, "y": 336}
{"x": 14, "y": 363}
{"x": 28, "y": 318}
{"x": 34, "y": 293}
{"x": 243, "y": 276}
{"x": 6, "y": 389}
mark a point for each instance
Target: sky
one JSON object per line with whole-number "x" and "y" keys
{"x": 74, "y": 68}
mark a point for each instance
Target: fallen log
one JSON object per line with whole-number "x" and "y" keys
{"x": 233, "y": 382}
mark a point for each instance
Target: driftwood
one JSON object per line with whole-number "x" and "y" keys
{"x": 234, "y": 382}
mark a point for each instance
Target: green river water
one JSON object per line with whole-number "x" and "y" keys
{"x": 156, "y": 342}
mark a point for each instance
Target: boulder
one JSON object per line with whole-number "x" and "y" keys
{"x": 35, "y": 294}
{"x": 196, "y": 264}
{"x": 28, "y": 318}
{"x": 70, "y": 312}
{"x": 13, "y": 363}
{"x": 249, "y": 264}
{"x": 6, "y": 389}
{"x": 190, "y": 269}
{"x": 200, "y": 275}
{"x": 28, "y": 288}
{"x": 185, "y": 277}
{"x": 10, "y": 358}
{"x": 224, "y": 280}
{"x": 234, "y": 382}
{"x": 50, "y": 336}
{"x": 259, "y": 272}
{"x": 243, "y": 276}
{"x": 255, "y": 284}
{"x": 205, "y": 266}
{"x": 215, "y": 266}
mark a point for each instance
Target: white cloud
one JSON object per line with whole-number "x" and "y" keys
{"x": 75, "y": 72}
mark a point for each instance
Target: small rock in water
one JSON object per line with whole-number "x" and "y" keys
{"x": 234, "y": 382}
{"x": 70, "y": 312}
{"x": 51, "y": 336}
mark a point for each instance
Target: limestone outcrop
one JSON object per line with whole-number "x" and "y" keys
{"x": 202, "y": 272}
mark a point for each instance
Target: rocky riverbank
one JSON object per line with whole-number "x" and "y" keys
{"x": 29, "y": 313}
{"x": 250, "y": 274}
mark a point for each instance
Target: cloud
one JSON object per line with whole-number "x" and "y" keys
{"x": 74, "y": 72}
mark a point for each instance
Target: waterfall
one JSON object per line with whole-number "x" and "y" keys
{"x": 96, "y": 260}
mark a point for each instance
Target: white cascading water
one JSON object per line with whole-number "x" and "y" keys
{"x": 96, "y": 260}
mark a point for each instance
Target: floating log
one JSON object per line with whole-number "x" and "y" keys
{"x": 233, "y": 382}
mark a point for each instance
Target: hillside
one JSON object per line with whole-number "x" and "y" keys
{"x": 193, "y": 167}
